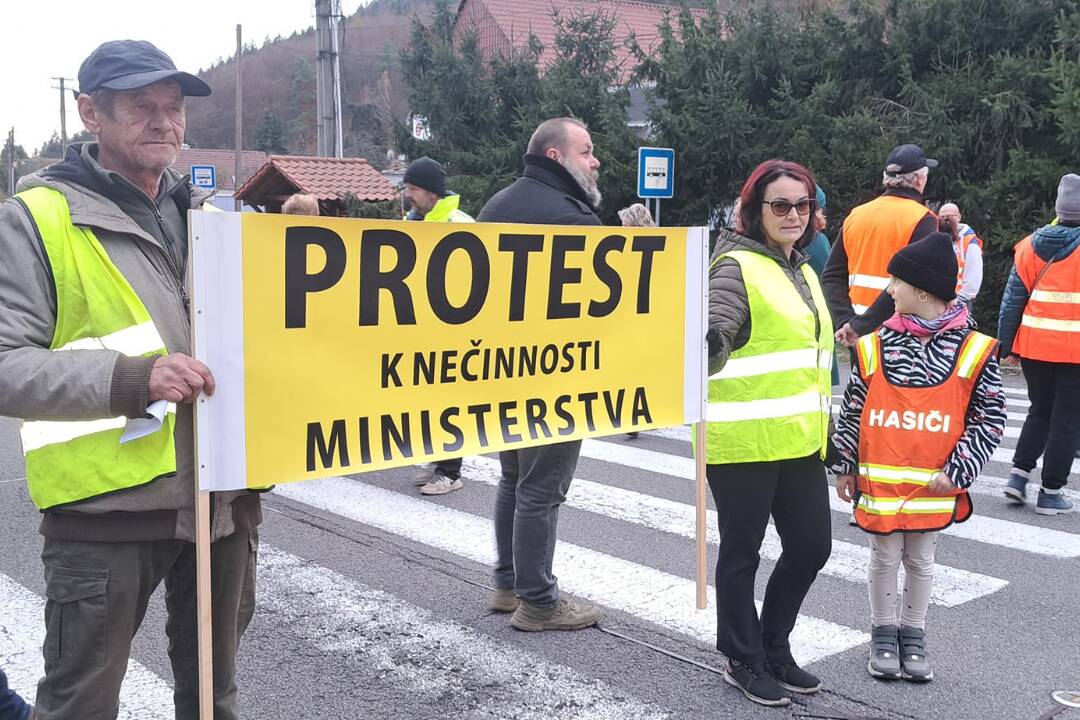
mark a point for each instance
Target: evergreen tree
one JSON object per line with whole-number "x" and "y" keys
{"x": 482, "y": 111}
{"x": 301, "y": 108}
{"x": 991, "y": 89}
{"x": 52, "y": 148}
{"x": 270, "y": 135}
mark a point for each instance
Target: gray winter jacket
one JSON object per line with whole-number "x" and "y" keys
{"x": 729, "y": 308}
{"x": 38, "y": 384}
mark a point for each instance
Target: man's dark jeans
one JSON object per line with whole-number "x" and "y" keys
{"x": 534, "y": 484}
{"x": 1052, "y": 427}
{"x": 450, "y": 468}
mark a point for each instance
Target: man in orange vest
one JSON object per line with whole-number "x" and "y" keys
{"x": 856, "y": 275}
{"x": 969, "y": 254}
{"x": 1040, "y": 323}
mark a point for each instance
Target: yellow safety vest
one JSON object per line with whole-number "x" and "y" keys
{"x": 96, "y": 309}
{"x": 772, "y": 399}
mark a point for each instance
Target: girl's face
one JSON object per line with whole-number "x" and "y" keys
{"x": 905, "y": 296}
{"x": 784, "y": 230}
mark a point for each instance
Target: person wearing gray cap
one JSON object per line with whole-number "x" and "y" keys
{"x": 1039, "y": 322}
{"x": 855, "y": 276}
{"x": 95, "y": 334}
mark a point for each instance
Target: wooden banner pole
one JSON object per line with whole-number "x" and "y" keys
{"x": 701, "y": 527}
{"x": 204, "y": 616}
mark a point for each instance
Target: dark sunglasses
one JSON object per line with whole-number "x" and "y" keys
{"x": 780, "y": 208}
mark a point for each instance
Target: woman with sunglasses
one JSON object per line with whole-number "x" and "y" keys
{"x": 770, "y": 351}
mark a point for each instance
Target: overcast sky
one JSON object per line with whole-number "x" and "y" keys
{"x": 43, "y": 39}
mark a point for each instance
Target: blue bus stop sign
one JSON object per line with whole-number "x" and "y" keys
{"x": 204, "y": 176}
{"x": 656, "y": 172}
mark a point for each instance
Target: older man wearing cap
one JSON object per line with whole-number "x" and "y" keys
{"x": 856, "y": 275}
{"x": 94, "y": 342}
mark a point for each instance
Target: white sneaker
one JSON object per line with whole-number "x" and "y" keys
{"x": 441, "y": 485}
{"x": 423, "y": 474}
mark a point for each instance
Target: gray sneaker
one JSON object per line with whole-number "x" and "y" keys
{"x": 503, "y": 600}
{"x": 441, "y": 485}
{"x": 566, "y": 614}
{"x": 1052, "y": 503}
{"x": 884, "y": 653}
{"x": 423, "y": 474}
{"x": 914, "y": 663}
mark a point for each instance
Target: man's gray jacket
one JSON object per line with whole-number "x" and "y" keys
{"x": 147, "y": 241}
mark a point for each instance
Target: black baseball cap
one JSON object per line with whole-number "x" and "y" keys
{"x": 907, "y": 158}
{"x": 132, "y": 64}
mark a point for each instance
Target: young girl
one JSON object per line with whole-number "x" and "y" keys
{"x": 923, "y": 412}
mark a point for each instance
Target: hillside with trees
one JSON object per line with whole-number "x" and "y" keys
{"x": 279, "y": 87}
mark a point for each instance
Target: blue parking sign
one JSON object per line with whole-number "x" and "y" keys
{"x": 656, "y": 172}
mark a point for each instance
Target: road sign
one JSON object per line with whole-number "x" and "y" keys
{"x": 204, "y": 176}
{"x": 656, "y": 172}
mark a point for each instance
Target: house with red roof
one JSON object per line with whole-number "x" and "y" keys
{"x": 505, "y": 25}
{"x": 328, "y": 179}
{"x": 224, "y": 164}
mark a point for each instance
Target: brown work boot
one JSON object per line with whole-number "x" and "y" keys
{"x": 503, "y": 600}
{"x": 563, "y": 615}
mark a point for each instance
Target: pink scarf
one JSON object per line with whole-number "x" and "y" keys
{"x": 956, "y": 316}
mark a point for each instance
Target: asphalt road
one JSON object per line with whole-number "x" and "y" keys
{"x": 372, "y": 605}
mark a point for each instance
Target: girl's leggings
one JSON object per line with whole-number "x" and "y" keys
{"x": 916, "y": 552}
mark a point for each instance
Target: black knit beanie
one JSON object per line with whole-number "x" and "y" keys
{"x": 928, "y": 264}
{"x": 427, "y": 174}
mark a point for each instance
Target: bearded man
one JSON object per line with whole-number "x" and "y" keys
{"x": 557, "y": 187}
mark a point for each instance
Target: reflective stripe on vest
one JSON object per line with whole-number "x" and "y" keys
{"x": 872, "y": 234}
{"x": 771, "y": 399}
{"x": 906, "y": 435}
{"x": 1050, "y": 327}
{"x": 96, "y": 310}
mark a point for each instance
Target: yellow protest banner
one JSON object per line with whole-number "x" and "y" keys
{"x": 342, "y": 345}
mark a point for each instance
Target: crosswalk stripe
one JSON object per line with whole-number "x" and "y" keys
{"x": 682, "y": 432}
{"x": 986, "y": 485}
{"x": 413, "y": 649}
{"x": 995, "y": 485}
{"x": 1005, "y": 455}
{"x": 658, "y": 597}
{"x": 952, "y": 586}
{"x": 1001, "y": 454}
{"x": 1005, "y": 533}
{"x": 144, "y": 695}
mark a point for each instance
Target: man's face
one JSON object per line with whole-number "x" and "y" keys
{"x": 145, "y": 129}
{"x": 950, "y": 211}
{"x": 578, "y": 159}
{"x": 422, "y": 200}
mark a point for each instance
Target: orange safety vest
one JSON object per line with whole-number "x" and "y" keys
{"x": 873, "y": 233}
{"x": 1050, "y": 328}
{"x": 967, "y": 239}
{"x": 905, "y": 437}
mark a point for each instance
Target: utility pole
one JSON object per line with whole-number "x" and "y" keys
{"x": 239, "y": 117}
{"x": 63, "y": 112}
{"x": 11, "y": 163}
{"x": 328, "y": 77}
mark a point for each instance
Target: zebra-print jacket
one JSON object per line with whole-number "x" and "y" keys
{"x": 906, "y": 362}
